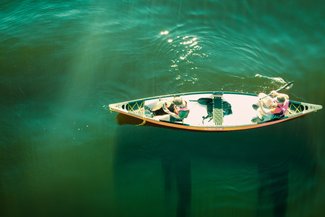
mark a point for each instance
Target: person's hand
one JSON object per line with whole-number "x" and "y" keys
{"x": 274, "y": 93}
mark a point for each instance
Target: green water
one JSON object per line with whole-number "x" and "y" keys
{"x": 62, "y": 153}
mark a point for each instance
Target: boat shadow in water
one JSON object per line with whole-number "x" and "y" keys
{"x": 176, "y": 170}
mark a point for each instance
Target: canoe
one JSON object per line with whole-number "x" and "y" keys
{"x": 210, "y": 111}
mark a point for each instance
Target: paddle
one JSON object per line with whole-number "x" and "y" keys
{"x": 286, "y": 86}
{"x": 202, "y": 101}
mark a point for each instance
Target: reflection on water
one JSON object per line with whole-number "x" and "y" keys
{"x": 176, "y": 170}
{"x": 273, "y": 188}
{"x": 184, "y": 53}
{"x": 188, "y": 174}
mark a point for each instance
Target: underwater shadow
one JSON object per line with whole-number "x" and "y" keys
{"x": 172, "y": 154}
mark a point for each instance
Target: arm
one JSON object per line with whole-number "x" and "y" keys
{"x": 276, "y": 94}
{"x": 266, "y": 111}
{"x": 169, "y": 112}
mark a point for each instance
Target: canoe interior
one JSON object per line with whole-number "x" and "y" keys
{"x": 210, "y": 110}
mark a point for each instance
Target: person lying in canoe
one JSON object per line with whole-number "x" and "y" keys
{"x": 272, "y": 106}
{"x": 176, "y": 108}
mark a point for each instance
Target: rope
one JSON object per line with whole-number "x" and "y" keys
{"x": 142, "y": 123}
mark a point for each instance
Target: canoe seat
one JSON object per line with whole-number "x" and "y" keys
{"x": 217, "y": 109}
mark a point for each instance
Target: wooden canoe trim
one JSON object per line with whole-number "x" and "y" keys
{"x": 205, "y": 129}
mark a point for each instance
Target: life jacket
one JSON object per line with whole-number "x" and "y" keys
{"x": 281, "y": 108}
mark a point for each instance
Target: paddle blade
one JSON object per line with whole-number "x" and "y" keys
{"x": 287, "y": 86}
{"x": 290, "y": 84}
{"x": 205, "y": 101}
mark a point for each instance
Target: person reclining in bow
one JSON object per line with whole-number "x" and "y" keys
{"x": 176, "y": 108}
{"x": 272, "y": 106}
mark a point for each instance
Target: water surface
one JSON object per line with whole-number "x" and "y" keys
{"x": 64, "y": 154}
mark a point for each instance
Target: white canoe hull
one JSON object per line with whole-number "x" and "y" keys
{"x": 226, "y": 112}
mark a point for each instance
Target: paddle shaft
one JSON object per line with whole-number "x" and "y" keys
{"x": 281, "y": 88}
{"x": 284, "y": 86}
